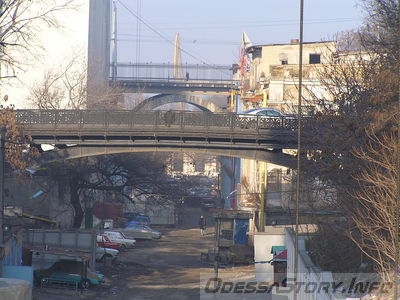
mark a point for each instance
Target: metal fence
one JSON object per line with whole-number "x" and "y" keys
{"x": 84, "y": 241}
{"x": 171, "y": 72}
{"x": 54, "y": 244}
{"x": 130, "y": 119}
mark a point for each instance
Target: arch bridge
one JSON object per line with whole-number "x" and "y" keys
{"x": 163, "y": 99}
{"x": 79, "y": 133}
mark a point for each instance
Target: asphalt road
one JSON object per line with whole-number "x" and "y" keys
{"x": 168, "y": 268}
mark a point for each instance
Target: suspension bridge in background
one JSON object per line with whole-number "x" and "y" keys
{"x": 163, "y": 78}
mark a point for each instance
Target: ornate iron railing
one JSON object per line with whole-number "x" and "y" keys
{"x": 173, "y": 119}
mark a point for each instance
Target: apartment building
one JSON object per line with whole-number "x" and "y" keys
{"x": 270, "y": 75}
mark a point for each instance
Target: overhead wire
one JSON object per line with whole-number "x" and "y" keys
{"x": 242, "y": 25}
{"x": 161, "y": 35}
{"x": 264, "y": 22}
{"x": 133, "y": 37}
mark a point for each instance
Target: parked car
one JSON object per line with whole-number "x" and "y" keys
{"x": 140, "y": 232}
{"x": 263, "y": 117}
{"x": 67, "y": 272}
{"x": 102, "y": 253}
{"x": 104, "y": 242}
{"x": 264, "y": 112}
{"x": 119, "y": 237}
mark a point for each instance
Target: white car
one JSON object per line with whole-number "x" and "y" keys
{"x": 120, "y": 238}
{"x": 102, "y": 253}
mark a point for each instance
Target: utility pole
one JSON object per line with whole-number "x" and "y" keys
{"x": 114, "y": 41}
{"x": 216, "y": 251}
{"x": 296, "y": 242}
{"x": 262, "y": 196}
{"x": 2, "y": 160}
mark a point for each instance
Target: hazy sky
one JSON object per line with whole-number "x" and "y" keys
{"x": 211, "y": 30}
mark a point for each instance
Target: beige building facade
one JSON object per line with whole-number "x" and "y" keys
{"x": 271, "y": 74}
{"x": 192, "y": 164}
{"x": 270, "y": 79}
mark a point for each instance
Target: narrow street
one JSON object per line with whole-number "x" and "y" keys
{"x": 169, "y": 268}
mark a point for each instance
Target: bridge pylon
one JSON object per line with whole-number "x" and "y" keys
{"x": 177, "y": 58}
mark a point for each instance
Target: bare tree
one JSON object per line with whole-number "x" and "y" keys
{"x": 332, "y": 250}
{"x": 66, "y": 88}
{"x": 18, "y": 152}
{"x": 374, "y": 226}
{"x": 111, "y": 98}
{"x": 353, "y": 136}
{"x": 123, "y": 176}
{"x": 63, "y": 88}
{"x": 381, "y": 34}
{"x": 249, "y": 195}
{"x": 19, "y": 21}
{"x": 50, "y": 93}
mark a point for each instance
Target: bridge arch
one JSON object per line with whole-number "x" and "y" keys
{"x": 162, "y": 99}
{"x": 75, "y": 152}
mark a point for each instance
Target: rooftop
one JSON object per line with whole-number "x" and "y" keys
{"x": 293, "y": 42}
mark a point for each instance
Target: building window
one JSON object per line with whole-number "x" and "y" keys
{"x": 257, "y": 53}
{"x": 283, "y": 58}
{"x": 274, "y": 187}
{"x": 315, "y": 58}
{"x": 274, "y": 180}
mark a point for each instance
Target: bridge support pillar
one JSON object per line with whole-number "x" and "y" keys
{"x": 98, "y": 49}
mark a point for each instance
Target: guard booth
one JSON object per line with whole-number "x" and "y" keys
{"x": 231, "y": 237}
{"x": 231, "y": 226}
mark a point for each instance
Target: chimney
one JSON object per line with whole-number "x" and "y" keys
{"x": 294, "y": 41}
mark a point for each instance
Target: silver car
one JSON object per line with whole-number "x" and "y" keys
{"x": 264, "y": 118}
{"x": 140, "y": 232}
{"x": 264, "y": 112}
{"x": 102, "y": 253}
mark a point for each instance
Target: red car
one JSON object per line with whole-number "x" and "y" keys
{"x": 104, "y": 242}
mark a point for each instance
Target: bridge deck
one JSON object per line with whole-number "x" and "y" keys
{"x": 169, "y": 78}
{"x": 197, "y": 129}
{"x": 175, "y": 86}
